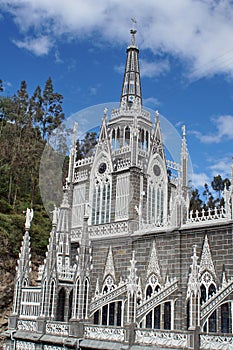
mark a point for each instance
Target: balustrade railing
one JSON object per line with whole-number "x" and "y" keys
{"x": 207, "y": 215}
{"x": 104, "y": 333}
{"x": 30, "y": 302}
{"x": 216, "y": 342}
{"x": 108, "y": 229}
{"x": 66, "y": 273}
{"x": 168, "y": 339}
{"x": 57, "y": 328}
{"x": 27, "y": 325}
{"x": 117, "y": 112}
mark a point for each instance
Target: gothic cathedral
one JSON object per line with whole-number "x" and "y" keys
{"x": 128, "y": 265}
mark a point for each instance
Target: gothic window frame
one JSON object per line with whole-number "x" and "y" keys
{"x": 76, "y": 297}
{"x": 52, "y": 293}
{"x": 207, "y": 281}
{"x": 127, "y": 136}
{"x": 149, "y": 317}
{"x": 43, "y": 296}
{"x": 156, "y": 193}
{"x": 108, "y": 284}
{"x": 122, "y": 196}
{"x": 61, "y": 304}
{"x": 104, "y": 317}
{"x": 154, "y": 283}
{"x": 101, "y": 192}
{"x": 86, "y": 288}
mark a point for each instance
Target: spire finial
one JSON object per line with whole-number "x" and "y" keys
{"x": 184, "y": 130}
{"x": 133, "y": 31}
{"x": 157, "y": 116}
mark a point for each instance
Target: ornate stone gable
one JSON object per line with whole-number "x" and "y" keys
{"x": 206, "y": 262}
{"x": 153, "y": 265}
{"x": 109, "y": 267}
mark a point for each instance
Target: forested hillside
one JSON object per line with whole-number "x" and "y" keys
{"x": 26, "y": 122}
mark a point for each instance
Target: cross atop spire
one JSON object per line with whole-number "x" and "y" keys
{"x": 133, "y": 31}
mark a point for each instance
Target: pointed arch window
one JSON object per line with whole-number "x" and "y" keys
{"x": 208, "y": 288}
{"x": 113, "y": 139}
{"x": 167, "y": 315}
{"x": 85, "y": 300}
{"x": 51, "y": 299}
{"x": 101, "y": 201}
{"x": 127, "y": 136}
{"x": 155, "y": 206}
{"x": 70, "y": 304}
{"x": 16, "y": 298}
{"x": 110, "y": 314}
{"x": 43, "y": 297}
{"x": 153, "y": 318}
{"x": 76, "y": 298}
{"x": 226, "y": 317}
{"x": 118, "y": 135}
{"x": 61, "y": 305}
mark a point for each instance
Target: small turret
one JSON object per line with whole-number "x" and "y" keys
{"x": 23, "y": 268}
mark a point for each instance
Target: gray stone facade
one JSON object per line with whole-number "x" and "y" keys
{"x": 128, "y": 266}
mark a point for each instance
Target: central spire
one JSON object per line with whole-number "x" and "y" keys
{"x": 131, "y": 89}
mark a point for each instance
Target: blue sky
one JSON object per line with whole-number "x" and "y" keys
{"x": 186, "y": 60}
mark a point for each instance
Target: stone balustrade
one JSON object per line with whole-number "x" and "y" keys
{"x": 104, "y": 333}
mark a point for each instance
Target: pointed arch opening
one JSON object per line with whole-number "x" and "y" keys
{"x": 61, "y": 305}
{"x": 70, "y": 304}
{"x": 51, "y": 299}
{"x": 127, "y": 136}
{"x": 85, "y": 298}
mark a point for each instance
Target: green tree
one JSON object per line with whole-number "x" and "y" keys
{"x": 85, "y": 147}
{"x": 195, "y": 200}
{"x": 48, "y": 112}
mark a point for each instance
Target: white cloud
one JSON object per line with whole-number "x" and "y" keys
{"x": 195, "y": 31}
{"x": 224, "y": 130}
{"x": 198, "y": 180}
{"x": 151, "y": 102}
{"x": 153, "y": 69}
{"x": 221, "y": 167}
{"x": 39, "y": 46}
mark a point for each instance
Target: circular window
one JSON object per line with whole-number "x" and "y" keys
{"x": 156, "y": 170}
{"x": 102, "y": 168}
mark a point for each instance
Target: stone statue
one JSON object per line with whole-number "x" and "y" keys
{"x": 29, "y": 217}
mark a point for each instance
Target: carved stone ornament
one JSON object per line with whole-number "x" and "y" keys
{"x": 153, "y": 265}
{"x": 206, "y": 262}
{"x": 109, "y": 267}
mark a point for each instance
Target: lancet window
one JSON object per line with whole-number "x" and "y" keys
{"x": 159, "y": 317}
{"x": 143, "y": 139}
{"x": 153, "y": 286}
{"x": 122, "y": 196}
{"x": 110, "y": 314}
{"x": 208, "y": 288}
{"x": 61, "y": 305}
{"x": 51, "y": 299}
{"x": 43, "y": 297}
{"x": 116, "y": 138}
{"x": 226, "y": 310}
{"x": 127, "y": 136}
{"x": 76, "y": 298}
{"x": 155, "y": 208}
{"x": 85, "y": 300}
{"x": 101, "y": 201}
